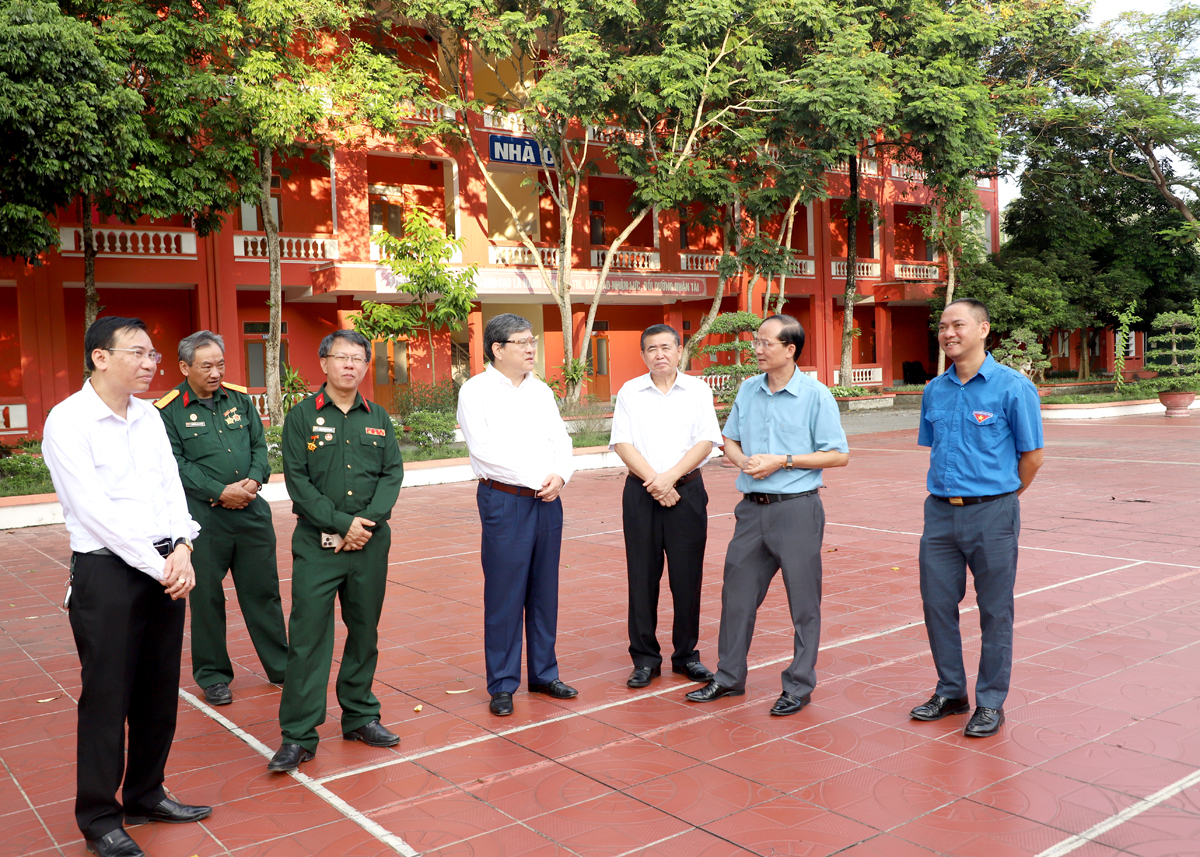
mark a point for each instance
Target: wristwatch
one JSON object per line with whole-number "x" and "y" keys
{"x": 185, "y": 541}
{"x": 788, "y": 465}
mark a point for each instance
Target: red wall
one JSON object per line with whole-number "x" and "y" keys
{"x": 308, "y": 324}
{"x": 837, "y": 233}
{"x": 910, "y": 339}
{"x": 617, "y": 194}
{"x": 10, "y": 345}
{"x": 910, "y": 238}
{"x": 306, "y": 205}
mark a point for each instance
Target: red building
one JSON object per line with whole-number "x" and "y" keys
{"x": 178, "y": 282}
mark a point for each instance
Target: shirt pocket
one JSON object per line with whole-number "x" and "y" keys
{"x": 989, "y": 424}
{"x": 370, "y": 447}
{"x": 939, "y": 421}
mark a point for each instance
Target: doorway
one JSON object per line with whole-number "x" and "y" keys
{"x": 597, "y": 360}
{"x": 391, "y": 370}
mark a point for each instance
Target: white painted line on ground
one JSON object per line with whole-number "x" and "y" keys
{"x": 1096, "y": 830}
{"x": 377, "y": 830}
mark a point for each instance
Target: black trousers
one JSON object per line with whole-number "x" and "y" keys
{"x": 129, "y": 634}
{"x": 681, "y": 533}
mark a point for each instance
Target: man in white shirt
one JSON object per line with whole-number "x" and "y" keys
{"x": 664, "y": 428}
{"x": 131, "y": 568}
{"x": 521, "y": 452}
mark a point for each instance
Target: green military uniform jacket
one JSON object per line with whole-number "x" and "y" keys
{"x": 214, "y": 448}
{"x": 341, "y": 466}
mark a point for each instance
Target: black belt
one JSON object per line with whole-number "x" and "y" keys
{"x": 688, "y": 477}
{"x": 764, "y": 499}
{"x": 163, "y": 546}
{"x": 519, "y": 490}
{"x": 969, "y": 501}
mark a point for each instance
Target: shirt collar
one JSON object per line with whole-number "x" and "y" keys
{"x": 499, "y": 377}
{"x": 792, "y": 386}
{"x": 646, "y": 382}
{"x": 188, "y": 395}
{"x": 322, "y": 401}
{"x": 986, "y": 369}
{"x": 98, "y": 410}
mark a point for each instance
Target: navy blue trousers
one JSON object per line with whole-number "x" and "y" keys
{"x": 983, "y": 537}
{"x": 522, "y": 541}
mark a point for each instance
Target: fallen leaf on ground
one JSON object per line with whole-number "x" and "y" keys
{"x": 51, "y": 699}
{"x": 418, "y": 708}
{"x": 468, "y": 690}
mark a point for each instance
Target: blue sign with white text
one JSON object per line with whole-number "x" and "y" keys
{"x": 518, "y": 150}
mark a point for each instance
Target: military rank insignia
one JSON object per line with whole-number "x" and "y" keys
{"x": 376, "y": 431}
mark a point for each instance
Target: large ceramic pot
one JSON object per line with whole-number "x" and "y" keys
{"x": 1177, "y": 402}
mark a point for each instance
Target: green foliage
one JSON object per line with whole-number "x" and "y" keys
{"x": 437, "y": 396}
{"x": 1175, "y": 350}
{"x": 745, "y": 363}
{"x": 429, "y": 429}
{"x": 295, "y": 389}
{"x": 68, "y": 122}
{"x": 274, "y": 439}
{"x": 1022, "y": 351}
{"x": 1125, "y": 320}
{"x": 23, "y": 474}
{"x": 851, "y": 392}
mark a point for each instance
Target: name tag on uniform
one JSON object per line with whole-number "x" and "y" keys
{"x": 376, "y": 431}
{"x": 193, "y": 425}
{"x": 323, "y": 429}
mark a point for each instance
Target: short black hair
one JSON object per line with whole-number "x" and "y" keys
{"x": 103, "y": 335}
{"x": 792, "y": 332}
{"x": 351, "y": 336}
{"x": 656, "y": 329}
{"x": 978, "y": 308}
{"x": 499, "y": 329}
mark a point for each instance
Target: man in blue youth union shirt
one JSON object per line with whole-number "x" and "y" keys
{"x": 783, "y": 429}
{"x": 984, "y": 424}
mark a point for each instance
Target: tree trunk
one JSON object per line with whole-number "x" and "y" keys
{"x": 91, "y": 306}
{"x": 693, "y": 346}
{"x": 432, "y": 356}
{"x": 950, "y": 282}
{"x": 1085, "y": 370}
{"x": 846, "y": 370}
{"x": 274, "y": 390}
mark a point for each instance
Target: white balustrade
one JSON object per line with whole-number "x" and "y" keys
{"x": 433, "y": 113}
{"x": 716, "y": 383}
{"x": 637, "y": 260}
{"x": 908, "y": 173}
{"x": 861, "y": 377}
{"x": 916, "y": 271}
{"x": 521, "y": 255}
{"x": 801, "y": 267}
{"x": 706, "y": 262}
{"x": 504, "y": 120}
{"x": 130, "y": 241}
{"x": 866, "y": 167}
{"x": 292, "y": 248}
{"x": 613, "y": 133}
{"x": 861, "y": 269}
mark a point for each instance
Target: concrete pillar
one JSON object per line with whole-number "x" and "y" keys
{"x": 475, "y": 327}
{"x": 883, "y": 342}
{"x": 45, "y": 352}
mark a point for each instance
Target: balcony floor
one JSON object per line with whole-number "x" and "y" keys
{"x": 1102, "y": 738}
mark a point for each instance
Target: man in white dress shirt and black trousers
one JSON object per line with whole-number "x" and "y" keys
{"x": 664, "y": 428}
{"x": 131, "y": 569}
{"x": 521, "y": 452}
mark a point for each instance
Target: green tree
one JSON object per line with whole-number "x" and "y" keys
{"x": 67, "y": 122}
{"x": 420, "y": 264}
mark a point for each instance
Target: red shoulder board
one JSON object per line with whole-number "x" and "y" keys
{"x": 320, "y": 403}
{"x": 185, "y": 398}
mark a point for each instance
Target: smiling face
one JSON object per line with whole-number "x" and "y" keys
{"x": 661, "y": 354}
{"x": 127, "y": 368}
{"x": 961, "y": 334}
{"x": 772, "y": 354}
{"x": 206, "y": 371}
{"x": 345, "y": 367}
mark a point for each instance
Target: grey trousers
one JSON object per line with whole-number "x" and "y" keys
{"x": 984, "y": 537}
{"x": 783, "y": 537}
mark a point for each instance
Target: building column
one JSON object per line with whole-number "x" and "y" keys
{"x": 673, "y": 315}
{"x": 353, "y": 208}
{"x": 883, "y": 342}
{"x": 45, "y": 352}
{"x": 347, "y": 309}
{"x": 475, "y": 330}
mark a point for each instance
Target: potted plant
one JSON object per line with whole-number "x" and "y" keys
{"x": 1175, "y": 353}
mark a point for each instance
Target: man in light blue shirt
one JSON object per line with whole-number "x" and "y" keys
{"x": 984, "y": 424}
{"x": 783, "y": 430}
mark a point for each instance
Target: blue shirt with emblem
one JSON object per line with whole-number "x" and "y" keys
{"x": 978, "y": 430}
{"x": 799, "y": 419}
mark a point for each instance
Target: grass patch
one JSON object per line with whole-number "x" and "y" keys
{"x": 1098, "y": 398}
{"x": 24, "y": 474}
{"x": 590, "y": 438}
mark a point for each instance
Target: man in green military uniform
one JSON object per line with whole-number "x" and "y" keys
{"x": 343, "y": 471}
{"x": 219, "y": 445}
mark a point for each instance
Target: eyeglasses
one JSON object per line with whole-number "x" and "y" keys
{"x": 139, "y": 355}
{"x": 765, "y": 343}
{"x": 531, "y": 342}
{"x": 347, "y": 358}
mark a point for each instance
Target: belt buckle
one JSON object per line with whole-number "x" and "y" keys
{"x": 761, "y": 499}
{"x": 955, "y": 501}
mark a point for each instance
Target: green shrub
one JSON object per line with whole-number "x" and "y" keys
{"x": 438, "y": 397}
{"x": 24, "y": 474}
{"x": 430, "y": 428}
{"x": 852, "y": 392}
{"x": 274, "y": 447}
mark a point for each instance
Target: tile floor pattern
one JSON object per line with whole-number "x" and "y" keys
{"x": 1104, "y": 712}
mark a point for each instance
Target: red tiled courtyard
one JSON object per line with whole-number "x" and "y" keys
{"x": 1100, "y": 754}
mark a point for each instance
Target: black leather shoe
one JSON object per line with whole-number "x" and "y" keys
{"x": 789, "y": 703}
{"x": 115, "y": 844}
{"x": 168, "y": 811}
{"x": 373, "y": 734}
{"x": 695, "y": 671}
{"x": 984, "y": 722}
{"x": 640, "y": 677}
{"x": 501, "y": 704}
{"x": 218, "y": 694}
{"x": 289, "y": 757}
{"x": 555, "y": 689}
{"x": 938, "y": 707}
{"x": 712, "y": 691}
